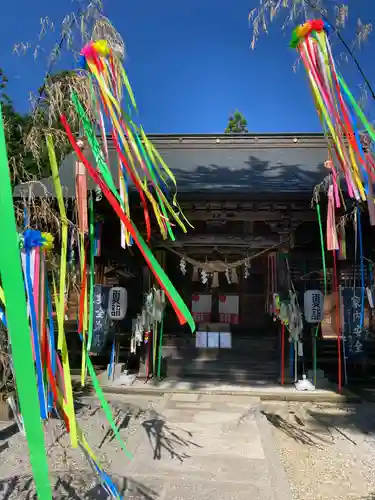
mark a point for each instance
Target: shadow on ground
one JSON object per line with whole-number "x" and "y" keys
{"x": 358, "y": 417}
{"x": 318, "y": 425}
{"x": 296, "y": 430}
{"x": 73, "y": 487}
{"x": 162, "y": 436}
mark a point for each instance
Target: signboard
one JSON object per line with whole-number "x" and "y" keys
{"x": 314, "y": 306}
{"x": 101, "y": 319}
{"x": 225, "y": 340}
{"x": 354, "y": 333}
{"x": 201, "y": 307}
{"x": 117, "y": 303}
{"x": 229, "y": 309}
{"x": 201, "y": 340}
{"x": 213, "y": 340}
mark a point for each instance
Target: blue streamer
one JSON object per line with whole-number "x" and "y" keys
{"x": 25, "y": 218}
{"x": 34, "y": 328}
{"x": 110, "y": 485}
{"x": 52, "y": 341}
{"x": 112, "y": 359}
{"x": 291, "y": 357}
{"x": 3, "y": 318}
{"x": 105, "y": 480}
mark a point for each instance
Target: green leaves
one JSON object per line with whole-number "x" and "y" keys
{"x": 237, "y": 124}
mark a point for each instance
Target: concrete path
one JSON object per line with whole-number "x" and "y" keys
{"x": 184, "y": 446}
{"x": 206, "y": 447}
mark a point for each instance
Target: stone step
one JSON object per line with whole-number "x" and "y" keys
{"x": 198, "y": 362}
{"x": 222, "y": 375}
{"x": 215, "y": 368}
{"x": 237, "y": 342}
{"x": 222, "y": 354}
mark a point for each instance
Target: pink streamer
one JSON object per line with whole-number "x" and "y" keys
{"x": 332, "y": 239}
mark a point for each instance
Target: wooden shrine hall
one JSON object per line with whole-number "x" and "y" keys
{"x": 248, "y": 198}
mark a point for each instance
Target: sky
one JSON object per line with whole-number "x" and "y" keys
{"x": 190, "y": 63}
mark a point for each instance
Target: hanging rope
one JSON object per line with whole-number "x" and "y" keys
{"x": 218, "y": 265}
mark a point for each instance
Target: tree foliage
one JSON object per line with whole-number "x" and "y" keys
{"x": 237, "y": 124}
{"x": 25, "y": 133}
{"x": 16, "y": 125}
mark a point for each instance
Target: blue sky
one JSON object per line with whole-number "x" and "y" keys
{"x": 190, "y": 64}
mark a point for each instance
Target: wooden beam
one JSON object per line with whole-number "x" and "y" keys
{"x": 251, "y": 216}
{"x": 213, "y": 241}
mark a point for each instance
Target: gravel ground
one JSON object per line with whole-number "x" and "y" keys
{"x": 71, "y": 474}
{"x": 328, "y": 451}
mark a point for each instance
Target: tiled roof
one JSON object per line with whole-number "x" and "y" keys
{"x": 224, "y": 163}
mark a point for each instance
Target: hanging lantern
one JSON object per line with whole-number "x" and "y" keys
{"x": 117, "y": 303}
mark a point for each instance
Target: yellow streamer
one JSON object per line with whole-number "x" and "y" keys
{"x": 69, "y": 403}
{"x": 64, "y": 239}
{"x": 129, "y": 155}
{"x": 2, "y": 296}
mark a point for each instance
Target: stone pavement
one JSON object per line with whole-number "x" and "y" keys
{"x": 184, "y": 446}
{"x": 205, "y": 447}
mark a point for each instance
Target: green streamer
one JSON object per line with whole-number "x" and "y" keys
{"x": 105, "y": 406}
{"x": 19, "y": 330}
{"x": 155, "y": 347}
{"x": 92, "y": 273}
{"x": 160, "y": 346}
{"x": 360, "y": 113}
{"x": 149, "y": 257}
{"x": 96, "y": 149}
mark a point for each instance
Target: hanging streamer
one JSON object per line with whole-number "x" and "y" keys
{"x": 339, "y": 112}
{"x": 143, "y": 163}
{"x": 180, "y": 308}
{"x": 19, "y": 332}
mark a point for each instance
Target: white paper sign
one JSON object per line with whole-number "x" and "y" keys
{"x": 117, "y": 303}
{"x": 201, "y": 303}
{"x": 314, "y": 306}
{"x": 213, "y": 340}
{"x": 201, "y": 340}
{"x": 225, "y": 340}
